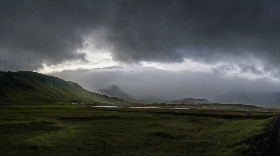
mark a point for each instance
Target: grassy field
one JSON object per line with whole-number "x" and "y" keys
{"x": 74, "y": 130}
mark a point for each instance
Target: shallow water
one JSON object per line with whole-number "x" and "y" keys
{"x": 144, "y": 107}
{"x": 178, "y": 108}
{"x": 136, "y": 107}
{"x": 105, "y": 106}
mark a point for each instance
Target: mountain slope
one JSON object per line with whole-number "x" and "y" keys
{"x": 113, "y": 91}
{"x": 260, "y": 99}
{"x": 30, "y": 87}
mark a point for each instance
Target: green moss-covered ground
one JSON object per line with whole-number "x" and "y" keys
{"x": 91, "y": 131}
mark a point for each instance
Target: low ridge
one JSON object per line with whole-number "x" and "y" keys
{"x": 190, "y": 101}
{"x": 29, "y": 87}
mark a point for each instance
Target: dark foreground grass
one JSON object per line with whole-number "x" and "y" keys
{"x": 88, "y": 131}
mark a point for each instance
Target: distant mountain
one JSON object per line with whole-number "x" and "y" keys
{"x": 189, "y": 101}
{"x": 260, "y": 99}
{"x": 114, "y": 91}
{"x": 31, "y": 87}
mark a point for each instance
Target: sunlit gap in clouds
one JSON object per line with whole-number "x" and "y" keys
{"x": 98, "y": 57}
{"x": 93, "y": 60}
{"x": 95, "y": 57}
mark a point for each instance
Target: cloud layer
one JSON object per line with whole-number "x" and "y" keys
{"x": 50, "y": 32}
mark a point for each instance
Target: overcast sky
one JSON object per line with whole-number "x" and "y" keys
{"x": 151, "y": 48}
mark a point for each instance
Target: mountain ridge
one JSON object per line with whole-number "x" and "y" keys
{"x": 30, "y": 87}
{"x": 114, "y": 91}
{"x": 270, "y": 99}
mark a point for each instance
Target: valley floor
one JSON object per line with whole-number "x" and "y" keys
{"x": 121, "y": 131}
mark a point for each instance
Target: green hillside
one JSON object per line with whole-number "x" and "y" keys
{"x": 27, "y": 87}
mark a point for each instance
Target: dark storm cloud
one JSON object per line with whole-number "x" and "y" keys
{"x": 36, "y": 31}
{"x": 33, "y": 32}
{"x": 205, "y": 30}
